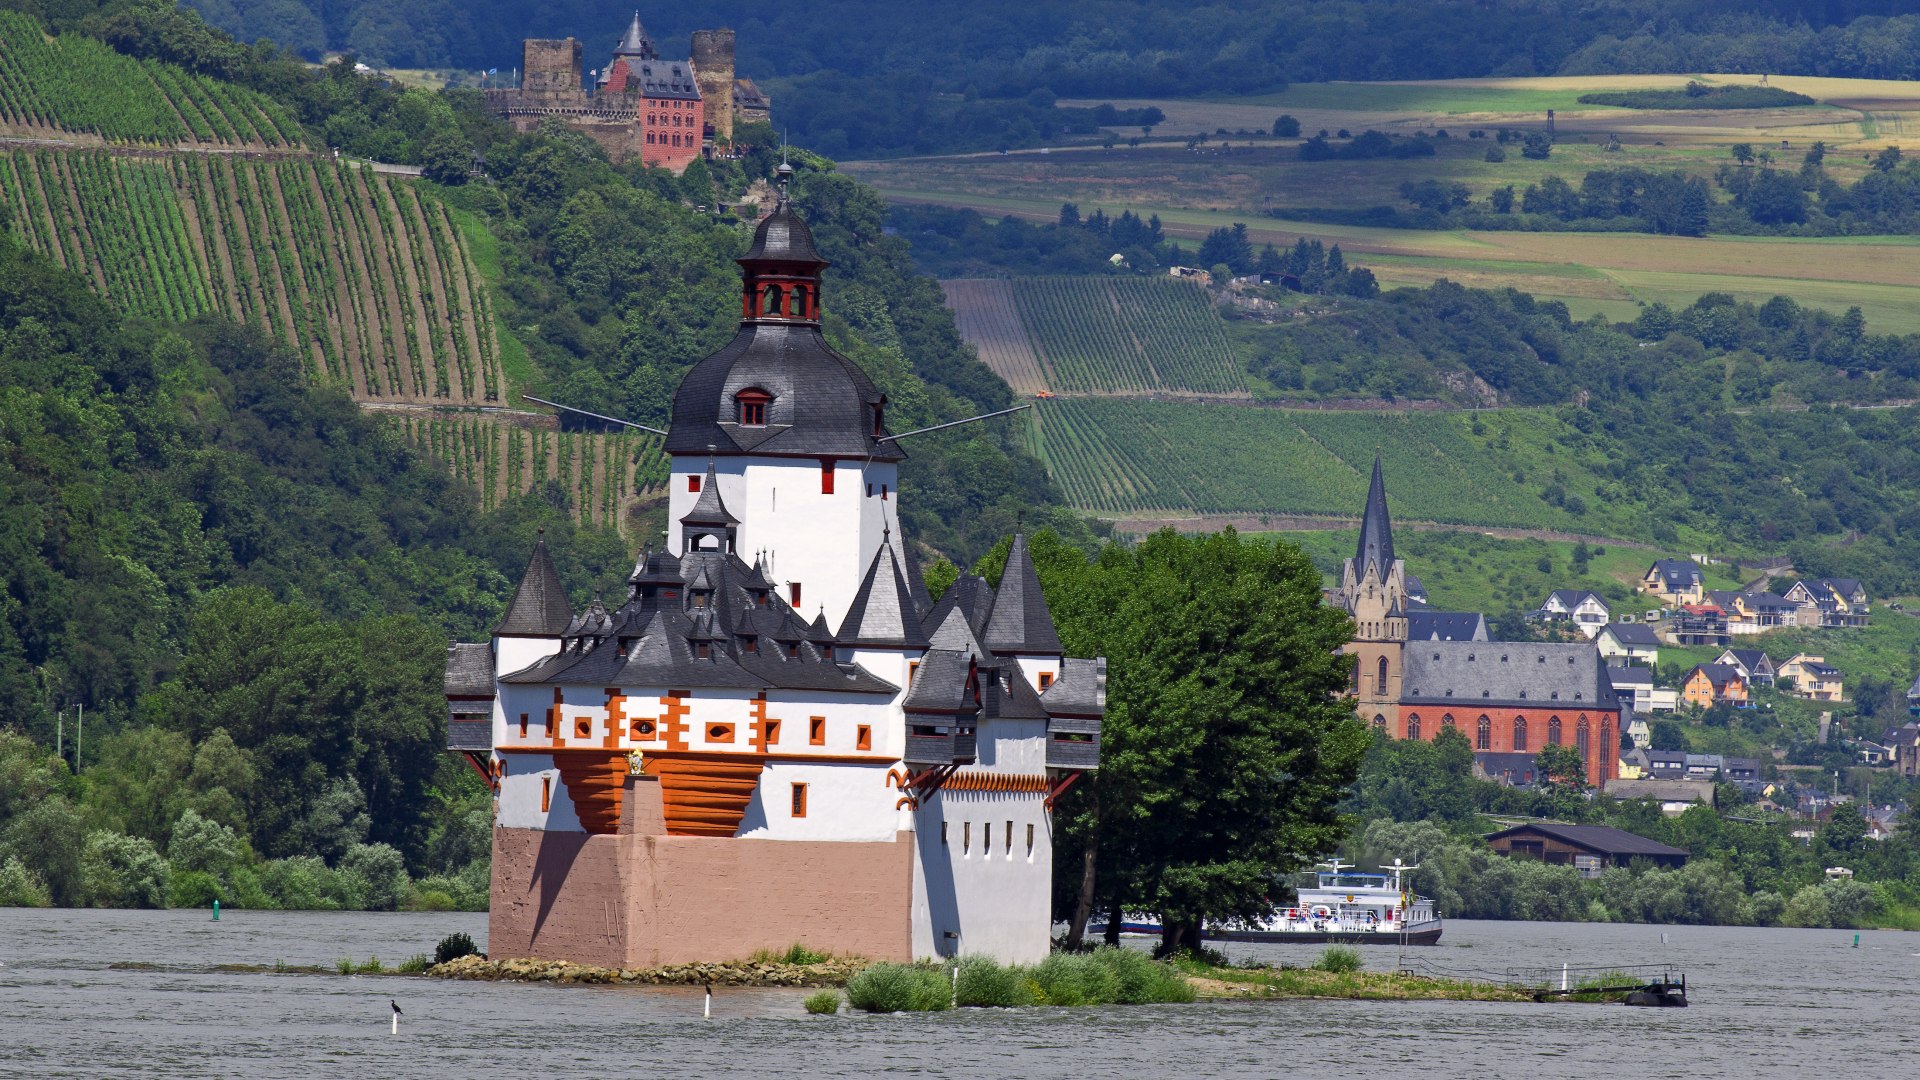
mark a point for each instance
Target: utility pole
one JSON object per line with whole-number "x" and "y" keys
{"x": 60, "y": 734}
{"x": 79, "y": 737}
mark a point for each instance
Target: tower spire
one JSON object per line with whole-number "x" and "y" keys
{"x": 1376, "y": 530}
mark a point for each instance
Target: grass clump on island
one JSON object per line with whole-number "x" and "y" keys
{"x": 1337, "y": 974}
{"x": 1100, "y": 977}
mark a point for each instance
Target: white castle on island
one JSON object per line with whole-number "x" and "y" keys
{"x": 699, "y": 771}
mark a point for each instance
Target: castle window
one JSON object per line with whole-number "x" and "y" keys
{"x": 798, "y": 308}
{"x": 943, "y": 834}
{"x": 1046, "y": 679}
{"x": 1029, "y": 843}
{"x": 642, "y": 728}
{"x": 799, "y": 800}
{"x": 826, "y": 476}
{"x": 793, "y": 652}
{"x": 750, "y": 644}
{"x": 1380, "y": 680}
{"x": 793, "y": 594}
{"x": 817, "y": 730}
{"x": 913, "y": 668}
{"x": 1483, "y": 734}
{"x": 879, "y": 419}
{"x": 986, "y": 839}
{"x": 546, "y": 793}
{"x": 720, "y": 733}
{"x": 771, "y": 728}
{"x": 1009, "y": 839}
{"x": 649, "y": 138}
{"x": 702, "y": 651}
{"x": 752, "y": 402}
{"x": 523, "y": 725}
{"x": 1520, "y": 734}
{"x": 863, "y": 737}
{"x": 966, "y": 838}
{"x": 693, "y": 482}
{"x": 583, "y": 728}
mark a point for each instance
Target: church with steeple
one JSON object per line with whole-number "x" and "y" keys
{"x": 776, "y": 736}
{"x": 1419, "y": 671}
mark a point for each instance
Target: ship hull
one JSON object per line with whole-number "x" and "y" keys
{"x": 1426, "y": 935}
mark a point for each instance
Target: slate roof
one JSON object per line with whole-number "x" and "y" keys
{"x": 1629, "y": 676}
{"x": 884, "y": 612}
{"x": 752, "y": 639}
{"x": 1573, "y": 598}
{"x": 1478, "y": 674}
{"x": 952, "y": 632}
{"x": 1081, "y": 689}
{"x": 1017, "y": 699}
{"x": 1717, "y": 674}
{"x": 1598, "y": 838}
{"x": 469, "y": 670}
{"x": 1424, "y": 624}
{"x": 940, "y": 684}
{"x": 1376, "y": 531}
{"x": 1676, "y": 574}
{"x": 973, "y": 595}
{"x": 708, "y": 509}
{"x": 1416, "y": 590}
{"x": 635, "y": 41}
{"x": 539, "y": 607}
{"x": 1766, "y": 601}
{"x": 822, "y": 402}
{"x": 783, "y": 236}
{"x": 1021, "y": 622}
{"x": 1750, "y": 660}
{"x": 748, "y": 95}
{"x": 1631, "y": 633}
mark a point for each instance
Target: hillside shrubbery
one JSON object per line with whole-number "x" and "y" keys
{"x": 1697, "y": 95}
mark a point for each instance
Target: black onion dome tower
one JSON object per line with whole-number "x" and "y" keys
{"x": 778, "y": 388}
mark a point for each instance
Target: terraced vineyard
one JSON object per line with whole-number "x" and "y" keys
{"x": 73, "y": 85}
{"x": 985, "y": 314}
{"x": 1130, "y": 457}
{"x": 367, "y": 280}
{"x": 600, "y": 474}
{"x": 1111, "y": 335}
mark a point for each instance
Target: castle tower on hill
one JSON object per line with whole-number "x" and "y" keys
{"x": 700, "y": 771}
{"x": 664, "y": 111}
{"x": 1419, "y": 671}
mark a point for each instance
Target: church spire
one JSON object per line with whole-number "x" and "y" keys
{"x": 709, "y": 516}
{"x": 1376, "y": 530}
{"x": 635, "y": 42}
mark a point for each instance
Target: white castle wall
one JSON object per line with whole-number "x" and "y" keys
{"x": 519, "y": 799}
{"x": 998, "y": 901}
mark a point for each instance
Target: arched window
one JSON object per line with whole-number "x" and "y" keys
{"x": 797, "y": 307}
{"x": 1379, "y": 722}
{"x": 752, "y": 404}
{"x": 1413, "y": 726}
{"x": 1483, "y": 733}
{"x": 1607, "y": 740}
{"x": 770, "y": 298}
{"x": 1553, "y": 731}
{"x": 1583, "y": 737}
{"x": 1380, "y": 680}
{"x": 1446, "y": 722}
{"x": 1520, "y": 734}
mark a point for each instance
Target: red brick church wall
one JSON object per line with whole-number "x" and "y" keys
{"x": 1502, "y": 734}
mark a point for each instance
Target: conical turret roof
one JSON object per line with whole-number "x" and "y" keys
{"x": 883, "y": 612}
{"x": 539, "y": 607}
{"x": 635, "y": 41}
{"x": 1376, "y": 531}
{"x": 708, "y": 509}
{"x": 1021, "y": 622}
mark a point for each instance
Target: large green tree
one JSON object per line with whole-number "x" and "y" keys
{"x": 1227, "y": 744}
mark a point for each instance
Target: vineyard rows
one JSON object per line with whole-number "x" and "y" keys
{"x": 1127, "y": 334}
{"x": 986, "y": 316}
{"x": 371, "y": 283}
{"x": 1119, "y": 456}
{"x": 77, "y": 85}
{"x": 600, "y": 474}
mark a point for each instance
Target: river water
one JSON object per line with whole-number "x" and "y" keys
{"x": 1765, "y": 1003}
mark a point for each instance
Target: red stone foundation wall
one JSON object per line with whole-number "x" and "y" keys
{"x": 635, "y": 900}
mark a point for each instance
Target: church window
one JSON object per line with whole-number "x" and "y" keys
{"x": 752, "y": 403}
{"x": 1379, "y": 722}
{"x": 1583, "y": 735}
{"x": 1520, "y": 734}
{"x": 826, "y": 476}
{"x": 693, "y": 482}
{"x": 546, "y": 793}
{"x": 863, "y": 737}
{"x": 1446, "y": 722}
{"x": 1413, "y": 726}
{"x": 799, "y": 800}
{"x": 719, "y": 732}
{"x": 793, "y": 594}
{"x": 817, "y": 730}
{"x": 1553, "y": 731}
{"x": 798, "y": 308}
{"x": 1483, "y": 734}
{"x": 1380, "y": 680}
{"x": 770, "y": 299}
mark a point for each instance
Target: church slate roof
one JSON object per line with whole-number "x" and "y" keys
{"x": 635, "y": 41}
{"x": 783, "y": 236}
{"x": 822, "y": 402}
{"x": 539, "y": 607}
{"x": 1425, "y": 624}
{"x": 1021, "y": 622}
{"x": 1376, "y": 530}
{"x": 469, "y": 670}
{"x": 884, "y": 612}
{"x": 1513, "y": 674}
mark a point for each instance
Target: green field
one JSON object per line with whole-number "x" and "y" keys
{"x": 1107, "y": 334}
{"x": 600, "y": 475}
{"x": 77, "y": 85}
{"x": 1139, "y": 458}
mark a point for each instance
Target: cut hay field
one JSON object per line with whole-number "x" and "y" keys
{"x": 75, "y": 87}
{"x": 601, "y": 476}
{"x": 1124, "y": 459}
{"x": 371, "y": 283}
{"x": 1098, "y": 335}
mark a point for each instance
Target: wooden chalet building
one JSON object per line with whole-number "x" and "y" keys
{"x": 1589, "y": 849}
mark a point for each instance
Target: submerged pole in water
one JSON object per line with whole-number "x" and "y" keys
{"x": 1563, "y": 976}
{"x": 707, "y": 1012}
{"x": 395, "y": 1018}
{"x": 216, "y": 911}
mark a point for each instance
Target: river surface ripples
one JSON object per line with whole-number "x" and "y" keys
{"x": 1765, "y": 1003}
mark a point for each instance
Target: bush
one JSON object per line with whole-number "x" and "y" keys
{"x": 1495, "y": 154}
{"x": 1142, "y": 981}
{"x": 901, "y": 988}
{"x": 1077, "y": 979}
{"x": 195, "y": 889}
{"x": 453, "y": 947}
{"x": 799, "y": 954}
{"x": 1339, "y": 959}
{"x": 202, "y": 845}
{"x": 415, "y": 964}
{"x": 122, "y": 871}
{"x": 824, "y": 1003}
{"x": 21, "y": 887}
{"x": 382, "y": 874}
{"x": 985, "y": 984}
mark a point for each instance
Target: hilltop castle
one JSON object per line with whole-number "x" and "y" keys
{"x": 1420, "y": 671}
{"x": 664, "y": 112}
{"x": 700, "y": 771}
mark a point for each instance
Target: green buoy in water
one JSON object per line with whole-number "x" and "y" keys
{"x": 216, "y": 911}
